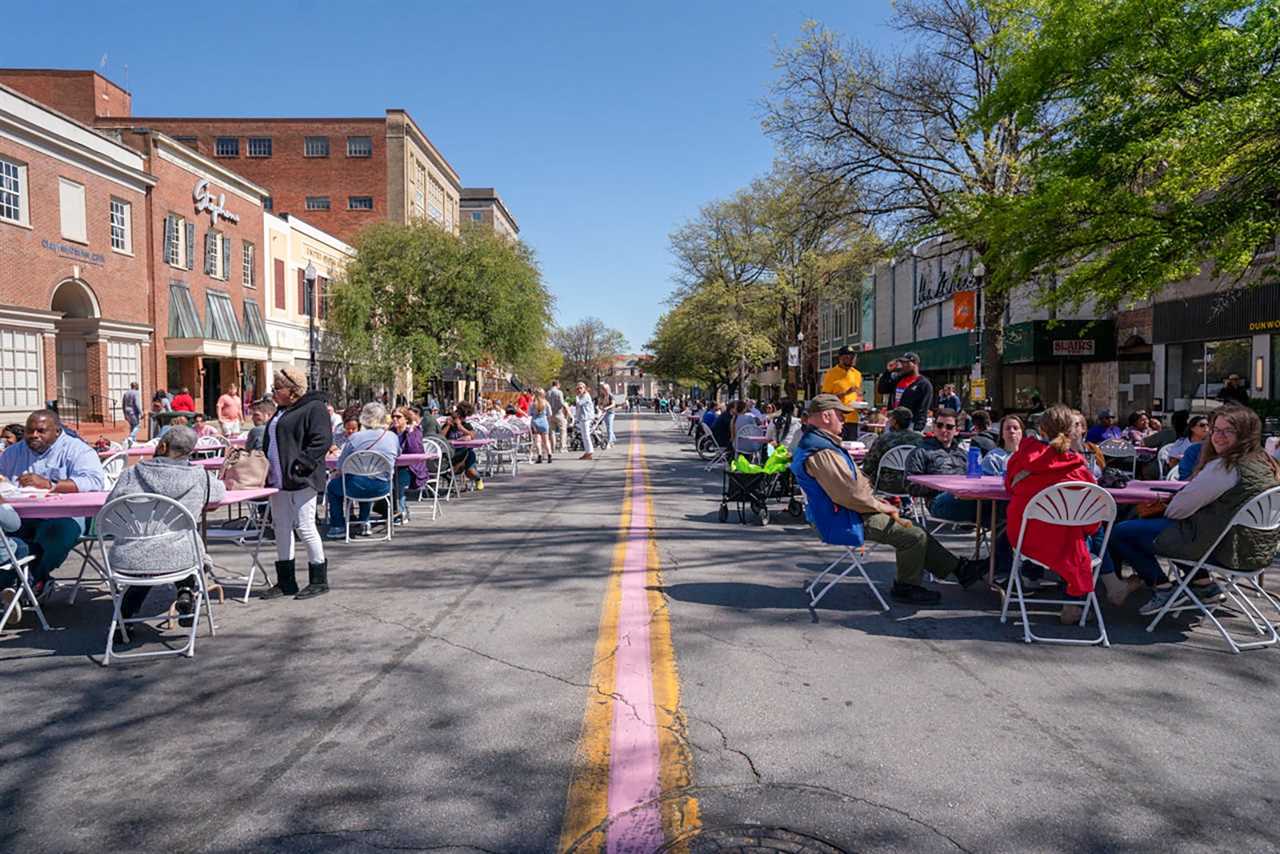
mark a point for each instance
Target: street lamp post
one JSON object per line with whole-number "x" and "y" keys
{"x": 801, "y": 384}
{"x": 309, "y": 277}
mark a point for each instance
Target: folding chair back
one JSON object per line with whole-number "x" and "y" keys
{"x": 368, "y": 463}
{"x": 1071, "y": 504}
{"x": 112, "y": 468}
{"x": 439, "y": 473}
{"x": 894, "y": 460}
{"x": 1119, "y": 449}
{"x": 130, "y": 529}
{"x": 210, "y": 446}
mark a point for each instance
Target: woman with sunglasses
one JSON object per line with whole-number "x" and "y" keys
{"x": 297, "y": 438}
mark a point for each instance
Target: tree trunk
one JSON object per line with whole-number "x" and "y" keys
{"x": 993, "y": 307}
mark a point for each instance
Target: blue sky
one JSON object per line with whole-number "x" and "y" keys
{"x": 602, "y": 126}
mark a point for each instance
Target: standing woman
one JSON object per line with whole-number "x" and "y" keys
{"x": 584, "y": 412}
{"x": 298, "y": 437}
{"x": 604, "y": 403}
{"x": 540, "y": 424}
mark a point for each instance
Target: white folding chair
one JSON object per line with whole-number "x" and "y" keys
{"x": 210, "y": 446}
{"x": 1073, "y": 505}
{"x": 752, "y": 436}
{"x": 851, "y": 555}
{"x": 504, "y": 450}
{"x": 9, "y": 560}
{"x": 112, "y": 467}
{"x": 439, "y": 474}
{"x": 709, "y": 449}
{"x": 248, "y": 537}
{"x": 1122, "y": 451}
{"x": 367, "y": 464}
{"x": 146, "y": 518}
{"x": 1260, "y": 513}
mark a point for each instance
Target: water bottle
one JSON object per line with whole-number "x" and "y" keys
{"x": 975, "y": 462}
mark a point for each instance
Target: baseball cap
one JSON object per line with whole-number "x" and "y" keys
{"x": 823, "y": 402}
{"x": 1105, "y": 413}
{"x": 846, "y": 351}
{"x": 911, "y": 357}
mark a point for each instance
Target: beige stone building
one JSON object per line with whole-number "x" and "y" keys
{"x": 483, "y": 206}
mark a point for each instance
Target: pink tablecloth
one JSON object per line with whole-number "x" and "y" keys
{"x": 402, "y": 461}
{"x": 72, "y": 505}
{"x": 470, "y": 443}
{"x": 992, "y": 488}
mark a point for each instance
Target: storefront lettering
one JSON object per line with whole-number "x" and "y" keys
{"x": 949, "y": 284}
{"x": 205, "y": 202}
{"x": 1264, "y": 325}
{"x": 1074, "y": 347}
{"x": 74, "y": 252}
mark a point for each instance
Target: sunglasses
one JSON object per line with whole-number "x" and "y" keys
{"x": 945, "y": 426}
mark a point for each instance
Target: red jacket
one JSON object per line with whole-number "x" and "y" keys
{"x": 1034, "y": 466}
{"x": 183, "y": 403}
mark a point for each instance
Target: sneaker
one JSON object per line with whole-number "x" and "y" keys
{"x": 7, "y": 596}
{"x": 1157, "y": 601}
{"x": 914, "y": 594}
{"x": 43, "y": 590}
{"x": 1210, "y": 594}
{"x": 334, "y": 534}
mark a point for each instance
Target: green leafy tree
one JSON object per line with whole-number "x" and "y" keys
{"x": 1165, "y": 153}
{"x": 706, "y": 338}
{"x": 587, "y": 349}
{"x": 419, "y": 297}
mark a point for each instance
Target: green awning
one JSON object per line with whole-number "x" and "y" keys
{"x": 948, "y": 352}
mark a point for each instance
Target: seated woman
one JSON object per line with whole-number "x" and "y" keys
{"x": 1042, "y": 461}
{"x": 374, "y": 435}
{"x": 203, "y": 428}
{"x": 1197, "y": 431}
{"x": 405, "y": 423}
{"x": 457, "y": 427}
{"x": 997, "y": 459}
{"x": 1233, "y": 468}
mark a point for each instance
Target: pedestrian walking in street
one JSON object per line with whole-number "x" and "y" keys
{"x": 584, "y": 414}
{"x": 559, "y": 416}
{"x": 230, "y": 411}
{"x": 131, "y": 406}
{"x": 540, "y": 424}
{"x": 298, "y": 437}
{"x": 604, "y": 403}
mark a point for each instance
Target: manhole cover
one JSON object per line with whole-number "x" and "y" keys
{"x": 750, "y": 838}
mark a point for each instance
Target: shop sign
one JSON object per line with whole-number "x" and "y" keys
{"x": 1074, "y": 347}
{"x": 1264, "y": 325}
{"x": 950, "y": 282}
{"x": 978, "y": 389}
{"x": 205, "y": 202}
{"x": 793, "y": 357}
{"x": 75, "y": 253}
{"x": 964, "y": 310}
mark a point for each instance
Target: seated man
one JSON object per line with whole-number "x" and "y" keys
{"x": 722, "y": 429}
{"x": 899, "y": 432}
{"x": 261, "y": 413}
{"x": 168, "y": 473}
{"x": 841, "y": 506}
{"x": 983, "y": 436}
{"x": 941, "y": 454}
{"x": 48, "y": 458}
{"x": 374, "y": 435}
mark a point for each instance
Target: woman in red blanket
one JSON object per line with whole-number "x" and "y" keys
{"x": 1039, "y": 463}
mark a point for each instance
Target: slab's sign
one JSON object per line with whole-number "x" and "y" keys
{"x": 929, "y": 293}
{"x": 75, "y": 253}
{"x": 205, "y": 203}
{"x": 1074, "y": 347}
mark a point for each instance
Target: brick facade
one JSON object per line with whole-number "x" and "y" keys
{"x": 83, "y": 95}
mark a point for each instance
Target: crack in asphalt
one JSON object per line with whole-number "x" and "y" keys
{"x": 724, "y": 743}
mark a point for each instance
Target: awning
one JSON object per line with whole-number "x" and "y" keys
{"x": 184, "y": 320}
{"x": 254, "y": 331}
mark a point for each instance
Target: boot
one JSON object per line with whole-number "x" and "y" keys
{"x": 318, "y": 580}
{"x": 286, "y": 581}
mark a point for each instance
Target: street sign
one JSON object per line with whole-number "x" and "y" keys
{"x": 978, "y": 389}
{"x": 1073, "y": 347}
{"x": 793, "y": 357}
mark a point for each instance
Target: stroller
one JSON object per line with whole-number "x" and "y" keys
{"x": 754, "y": 490}
{"x": 598, "y": 434}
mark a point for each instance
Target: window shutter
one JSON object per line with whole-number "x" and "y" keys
{"x": 302, "y": 293}
{"x": 210, "y": 252}
{"x": 169, "y": 239}
{"x": 322, "y": 287}
{"x": 191, "y": 245}
{"x": 279, "y": 276}
{"x": 226, "y": 259}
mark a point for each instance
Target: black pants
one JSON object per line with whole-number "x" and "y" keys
{"x": 135, "y": 596}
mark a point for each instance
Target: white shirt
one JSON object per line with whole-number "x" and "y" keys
{"x": 275, "y": 475}
{"x": 1202, "y": 490}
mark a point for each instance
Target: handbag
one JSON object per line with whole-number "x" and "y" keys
{"x": 245, "y": 469}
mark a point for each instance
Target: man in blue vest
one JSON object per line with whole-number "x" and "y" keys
{"x": 843, "y": 508}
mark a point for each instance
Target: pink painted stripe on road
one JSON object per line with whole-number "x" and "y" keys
{"x": 633, "y": 747}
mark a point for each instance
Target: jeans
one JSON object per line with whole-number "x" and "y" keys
{"x": 133, "y": 429}
{"x": 9, "y": 577}
{"x": 357, "y": 486}
{"x": 403, "y": 476}
{"x": 1133, "y": 542}
{"x": 952, "y": 509}
{"x": 296, "y": 509}
{"x": 608, "y": 426}
{"x": 464, "y": 459}
{"x": 51, "y": 539}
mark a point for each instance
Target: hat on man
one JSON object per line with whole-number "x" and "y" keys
{"x": 846, "y": 351}
{"x": 1104, "y": 413}
{"x": 911, "y": 357}
{"x": 824, "y": 402}
{"x": 293, "y": 377}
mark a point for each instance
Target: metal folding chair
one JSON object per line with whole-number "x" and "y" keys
{"x": 1073, "y": 505}
{"x": 367, "y": 464}
{"x": 9, "y": 560}
{"x": 1260, "y": 513}
{"x": 1121, "y": 451}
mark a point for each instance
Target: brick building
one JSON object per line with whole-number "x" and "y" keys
{"x": 484, "y": 206}
{"x": 340, "y": 174}
{"x": 206, "y": 287}
{"x": 74, "y": 324}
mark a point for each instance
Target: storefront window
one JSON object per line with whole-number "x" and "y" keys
{"x": 1196, "y": 372}
{"x": 1052, "y": 383}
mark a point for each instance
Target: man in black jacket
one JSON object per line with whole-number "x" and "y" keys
{"x": 906, "y": 386}
{"x": 941, "y": 454}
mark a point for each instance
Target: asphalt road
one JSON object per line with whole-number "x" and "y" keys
{"x": 435, "y": 701}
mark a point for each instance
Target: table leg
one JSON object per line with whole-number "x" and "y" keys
{"x": 977, "y": 530}
{"x": 991, "y": 560}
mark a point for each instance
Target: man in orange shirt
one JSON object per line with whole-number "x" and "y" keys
{"x": 845, "y": 381}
